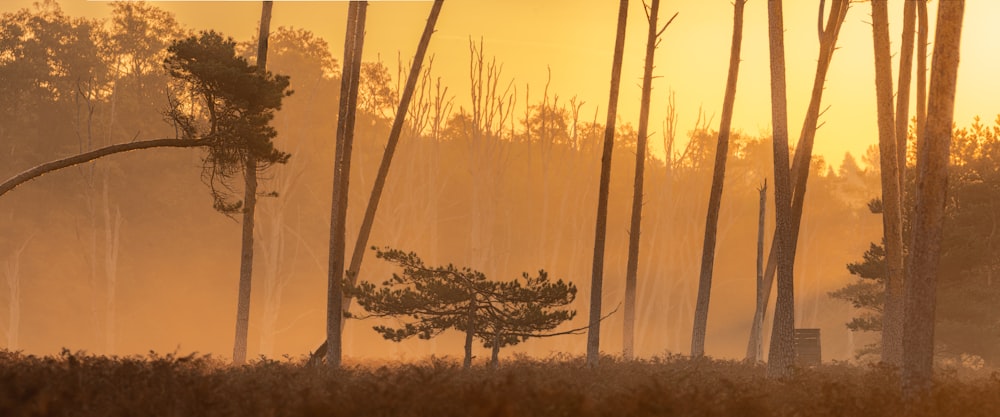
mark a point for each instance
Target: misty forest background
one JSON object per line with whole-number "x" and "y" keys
{"x": 126, "y": 254}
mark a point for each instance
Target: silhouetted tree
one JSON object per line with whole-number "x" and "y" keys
{"x": 828, "y": 35}
{"x": 435, "y": 299}
{"x": 932, "y": 179}
{"x": 892, "y": 225}
{"x": 249, "y": 207}
{"x": 718, "y": 178}
{"x": 353, "y": 46}
{"x": 782, "y": 354}
{"x": 597, "y": 274}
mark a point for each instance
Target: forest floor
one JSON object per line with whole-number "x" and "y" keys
{"x": 77, "y": 384}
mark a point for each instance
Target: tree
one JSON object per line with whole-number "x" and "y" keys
{"x": 597, "y": 273}
{"x": 353, "y": 46}
{"x": 718, "y": 178}
{"x": 891, "y": 202}
{"x": 436, "y": 299}
{"x": 632, "y": 267}
{"x": 932, "y": 180}
{"x": 220, "y": 103}
{"x": 782, "y": 354}
{"x": 390, "y": 149}
{"x": 249, "y": 207}
{"x": 828, "y": 35}
{"x": 755, "y": 350}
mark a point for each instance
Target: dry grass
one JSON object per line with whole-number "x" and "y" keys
{"x": 75, "y": 384}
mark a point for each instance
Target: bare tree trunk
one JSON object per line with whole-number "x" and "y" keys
{"x": 755, "y": 349}
{"x": 353, "y": 45}
{"x": 112, "y": 240}
{"x": 718, "y": 179}
{"x": 357, "y": 256}
{"x": 632, "y": 264}
{"x": 921, "y": 66}
{"x": 597, "y": 273}
{"x": 903, "y": 90}
{"x": 891, "y": 214}
{"x": 803, "y": 152}
{"x": 932, "y": 182}
{"x": 249, "y": 207}
{"x": 13, "y": 275}
{"x": 782, "y": 355}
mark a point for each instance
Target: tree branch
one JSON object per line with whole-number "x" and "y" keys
{"x": 47, "y": 167}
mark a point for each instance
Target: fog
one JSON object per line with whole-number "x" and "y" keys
{"x": 126, "y": 254}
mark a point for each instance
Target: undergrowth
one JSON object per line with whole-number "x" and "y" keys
{"x": 78, "y": 384}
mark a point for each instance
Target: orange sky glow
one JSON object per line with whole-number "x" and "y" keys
{"x": 575, "y": 38}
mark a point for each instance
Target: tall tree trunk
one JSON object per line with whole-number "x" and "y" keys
{"x": 888, "y": 159}
{"x": 13, "y": 276}
{"x": 358, "y": 255}
{"x": 597, "y": 273}
{"x": 903, "y": 90}
{"x": 632, "y": 263}
{"x": 353, "y": 46}
{"x": 932, "y": 182}
{"x": 249, "y": 206}
{"x": 470, "y": 332}
{"x": 803, "y": 153}
{"x": 922, "y": 36}
{"x": 718, "y": 179}
{"x": 755, "y": 349}
{"x": 892, "y": 348}
{"x": 782, "y": 354}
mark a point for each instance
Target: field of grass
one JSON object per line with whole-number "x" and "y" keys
{"x": 76, "y": 384}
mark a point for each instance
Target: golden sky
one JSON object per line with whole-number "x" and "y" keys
{"x": 575, "y": 38}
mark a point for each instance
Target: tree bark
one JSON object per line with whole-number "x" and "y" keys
{"x": 932, "y": 183}
{"x": 782, "y": 354}
{"x": 632, "y": 263}
{"x": 357, "y": 256}
{"x": 903, "y": 90}
{"x": 888, "y": 158}
{"x": 249, "y": 207}
{"x": 718, "y": 180}
{"x": 755, "y": 349}
{"x": 30, "y": 174}
{"x": 597, "y": 273}
{"x": 922, "y": 36}
{"x": 353, "y": 46}
{"x": 803, "y": 154}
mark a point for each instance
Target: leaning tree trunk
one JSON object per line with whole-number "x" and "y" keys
{"x": 632, "y": 264}
{"x": 249, "y": 206}
{"x": 597, "y": 273}
{"x": 353, "y": 44}
{"x": 803, "y": 154}
{"x": 782, "y": 354}
{"x": 718, "y": 179}
{"x": 39, "y": 170}
{"x": 390, "y": 150}
{"x": 932, "y": 183}
{"x": 892, "y": 225}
